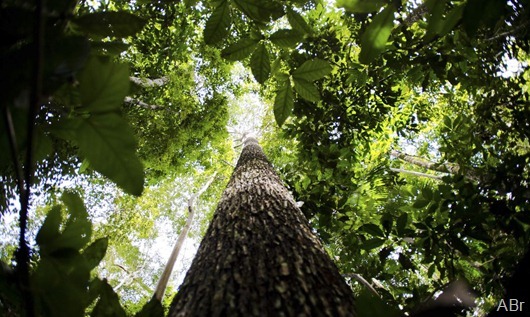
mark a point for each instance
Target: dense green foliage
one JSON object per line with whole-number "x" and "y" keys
{"x": 400, "y": 124}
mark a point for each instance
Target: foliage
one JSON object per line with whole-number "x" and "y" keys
{"x": 348, "y": 86}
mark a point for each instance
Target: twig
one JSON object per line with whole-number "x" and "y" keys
{"x": 361, "y": 279}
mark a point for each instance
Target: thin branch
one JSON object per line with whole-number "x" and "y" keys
{"x": 166, "y": 274}
{"x": 136, "y": 102}
{"x": 12, "y": 138}
{"x": 361, "y": 279}
{"x": 148, "y": 83}
{"x": 399, "y": 170}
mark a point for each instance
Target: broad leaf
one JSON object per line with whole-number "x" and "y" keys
{"x": 372, "y": 243}
{"x": 103, "y": 85}
{"x": 49, "y": 230}
{"x": 240, "y": 50}
{"x": 370, "y": 305}
{"x": 372, "y": 229}
{"x": 260, "y": 64}
{"x": 218, "y": 25}
{"x": 103, "y": 24}
{"x": 286, "y": 38}
{"x": 261, "y": 11}
{"x": 297, "y": 22}
{"x": 78, "y": 229}
{"x": 312, "y": 70}
{"x": 109, "y": 145}
{"x": 361, "y": 6}
{"x": 283, "y": 103}
{"x": 153, "y": 308}
{"x": 375, "y": 37}
{"x": 95, "y": 252}
{"x": 306, "y": 90}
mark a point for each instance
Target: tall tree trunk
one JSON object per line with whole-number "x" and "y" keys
{"x": 259, "y": 256}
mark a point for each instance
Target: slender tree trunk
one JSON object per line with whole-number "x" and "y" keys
{"x": 168, "y": 269}
{"x": 259, "y": 256}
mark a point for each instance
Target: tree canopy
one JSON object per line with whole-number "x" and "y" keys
{"x": 402, "y": 126}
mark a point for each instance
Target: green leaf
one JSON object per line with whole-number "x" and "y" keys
{"x": 297, "y": 22}
{"x": 108, "y": 303}
{"x": 260, "y": 11}
{"x": 435, "y": 20}
{"x": 375, "y": 37}
{"x": 95, "y": 252}
{"x": 260, "y": 64}
{"x": 240, "y": 50}
{"x": 306, "y": 90}
{"x": 109, "y": 48}
{"x": 103, "y": 85}
{"x": 49, "y": 230}
{"x": 78, "y": 229}
{"x": 372, "y": 243}
{"x": 361, "y": 6}
{"x": 401, "y": 224}
{"x": 286, "y": 38}
{"x": 153, "y": 308}
{"x": 283, "y": 103}
{"x": 103, "y": 24}
{"x": 420, "y": 203}
{"x": 369, "y": 305}
{"x": 405, "y": 262}
{"x": 312, "y": 70}
{"x": 218, "y": 25}
{"x": 372, "y": 229}
{"x": 109, "y": 145}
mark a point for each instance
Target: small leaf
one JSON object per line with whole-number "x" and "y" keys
{"x": 283, "y": 103}
{"x": 218, "y": 25}
{"x": 109, "y": 145}
{"x": 260, "y": 64}
{"x": 401, "y": 224}
{"x": 405, "y": 262}
{"x": 103, "y": 85}
{"x": 420, "y": 203}
{"x": 103, "y": 24}
{"x": 372, "y": 243}
{"x": 95, "y": 252}
{"x": 375, "y": 37}
{"x": 361, "y": 6}
{"x": 372, "y": 229}
{"x": 286, "y": 38}
{"x": 240, "y": 50}
{"x": 297, "y": 22}
{"x": 306, "y": 90}
{"x": 312, "y": 70}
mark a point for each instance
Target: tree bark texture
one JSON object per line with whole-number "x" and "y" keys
{"x": 259, "y": 256}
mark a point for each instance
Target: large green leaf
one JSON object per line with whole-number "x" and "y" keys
{"x": 361, "y": 6}
{"x": 306, "y": 90}
{"x": 103, "y": 85}
{"x": 286, "y": 38}
{"x": 375, "y": 37}
{"x": 95, "y": 252}
{"x": 240, "y": 50}
{"x": 297, "y": 22}
{"x": 370, "y": 305}
{"x": 218, "y": 25}
{"x": 283, "y": 103}
{"x": 312, "y": 70}
{"x": 109, "y": 145}
{"x": 372, "y": 229}
{"x": 372, "y": 243}
{"x": 103, "y": 24}
{"x": 49, "y": 230}
{"x": 260, "y": 64}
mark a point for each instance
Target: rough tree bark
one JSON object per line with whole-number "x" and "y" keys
{"x": 259, "y": 256}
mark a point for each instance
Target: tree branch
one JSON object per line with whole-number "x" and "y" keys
{"x": 166, "y": 274}
{"x": 136, "y": 102}
{"x": 361, "y": 279}
{"x": 149, "y": 83}
{"x": 399, "y": 170}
